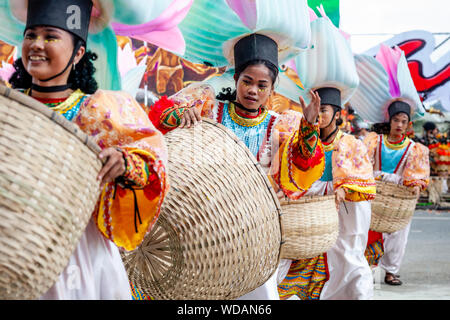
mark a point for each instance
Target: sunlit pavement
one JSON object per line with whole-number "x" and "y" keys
{"x": 425, "y": 271}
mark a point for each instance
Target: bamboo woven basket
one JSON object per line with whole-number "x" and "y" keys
{"x": 309, "y": 226}
{"x": 48, "y": 191}
{"x": 392, "y": 208}
{"x": 218, "y": 233}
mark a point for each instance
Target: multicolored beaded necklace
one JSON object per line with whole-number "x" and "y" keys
{"x": 330, "y": 145}
{"x": 396, "y": 145}
{"x": 67, "y": 107}
{"x": 245, "y": 120}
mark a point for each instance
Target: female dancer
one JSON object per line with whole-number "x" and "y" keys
{"x": 57, "y": 70}
{"x": 342, "y": 272}
{"x": 387, "y": 96}
{"x": 286, "y": 145}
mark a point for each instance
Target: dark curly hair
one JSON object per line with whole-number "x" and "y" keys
{"x": 229, "y": 94}
{"x": 382, "y": 128}
{"x": 81, "y": 77}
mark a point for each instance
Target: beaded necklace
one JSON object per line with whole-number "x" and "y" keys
{"x": 396, "y": 145}
{"x": 67, "y": 107}
{"x": 244, "y": 121}
{"x": 330, "y": 146}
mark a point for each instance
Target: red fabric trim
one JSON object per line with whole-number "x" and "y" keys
{"x": 243, "y": 115}
{"x": 374, "y": 237}
{"x": 267, "y": 137}
{"x": 403, "y": 156}
{"x": 220, "y": 112}
{"x": 398, "y": 141}
{"x": 327, "y": 272}
{"x": 380, "y": 146}
{"x": 106, "y": 211}
{"x": 50, "y": 100}
{"x": 304, "y": 164}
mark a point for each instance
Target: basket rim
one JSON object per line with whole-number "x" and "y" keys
{"x": 58, "y": 119}
{"x": 307, "y": 199}
{"x": 408, "y": 195}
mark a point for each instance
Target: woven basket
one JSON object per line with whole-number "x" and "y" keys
{"x": 218, "y": 234}
{"x": 392, "y": 208}
{"x": 309, "y": 226}
{"x": 48, "y": 191}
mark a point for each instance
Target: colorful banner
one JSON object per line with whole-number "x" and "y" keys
{"x": 431, "y": 78}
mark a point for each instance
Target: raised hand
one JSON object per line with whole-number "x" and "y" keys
{"x": 311, "y": 112}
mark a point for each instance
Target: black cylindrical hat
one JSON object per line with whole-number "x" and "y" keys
{"x": 70, "y": 15}
{"x": 255, "y": 47}
{"x": 330, "y": 96}
{"x": 429, "y": 126}
{"x": 397, "y": 107}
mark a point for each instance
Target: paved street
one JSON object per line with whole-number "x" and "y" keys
{"x": 425, "y": 271}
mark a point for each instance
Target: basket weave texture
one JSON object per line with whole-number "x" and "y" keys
{"x": 392, "y": 208}
{"x": 48, "y": 191}
{"x": 218, "y": 234}
{"x": 309, "y": 226}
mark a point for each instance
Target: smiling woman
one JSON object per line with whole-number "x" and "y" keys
{"x": 56, "y": 69}
{"x": 46, "y": 49}
{"x": 50, "y": 63}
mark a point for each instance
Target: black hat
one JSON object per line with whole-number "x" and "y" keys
{"x": 397, "y": 107}
{"x": 70, "y": 15}
{"x": 255, "y": 47}
{"x": 330, "y": 96}
{"x": 429, "y": 126}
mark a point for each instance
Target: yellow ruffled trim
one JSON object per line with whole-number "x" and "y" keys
{"x": 292, "y": 179}
{"x": 329, "y": 147}
{"x": 356, "y": 193}
{"x": 105, "y": 202}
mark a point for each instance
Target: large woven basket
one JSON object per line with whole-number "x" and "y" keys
{"x": 392, "y": 208}
{"x": 48, "y": 191}
{"x": 218, "y": 234}
{"x": 309, "y": 226}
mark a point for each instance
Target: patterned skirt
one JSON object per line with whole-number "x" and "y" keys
{"x": 374, "y": 250}
{"x": 305, "y": 279}
{"x": 137, "y": 294}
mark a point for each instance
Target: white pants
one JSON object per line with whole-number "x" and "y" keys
{"x": 350, "y": 274}
{"x": 95, "y": 271}
{"x": 394, "y": 249}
